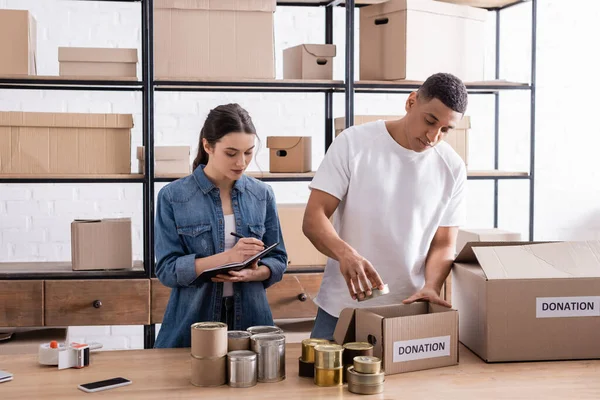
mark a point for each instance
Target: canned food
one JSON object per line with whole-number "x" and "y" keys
{"x": 256, "y": 330}
{"x": 208, "y": 371}
{"x": 238, "y": 340}
{"x": 308, "y": 348}
{"x": 306, "y": 369}
{"x": 364, "y": 379}
{"x": 365, "y": 389}
{"x": 242, "y": 367}
{"x": 376, "y": 293}
{"x": 209, "y": 339}
{"x": 355, "y": 349}
{"x": 329, "y": 377}
{"x": 367, "y": 365}
{"x": 270, "y": 348}
{"x": 328, "y": 356}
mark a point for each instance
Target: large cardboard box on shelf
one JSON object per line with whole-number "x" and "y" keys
{"x": 309, "y": 61}
{"x": 168, "y": 160}
{"x": 231, "y": 39}
{"x": 301, "y": 252}
{"x": 101, "y": 244}
{"x": 407, "y": 338}
{"x": 529, "y": 301}
{"x": 395, "y": 36}
{"x": 65, "y": 143}
{"x": 97, "y": 62}
{"x": 290, "y": 153}
{"x": 18, "y": 42}
{"x": 458, "y": 138}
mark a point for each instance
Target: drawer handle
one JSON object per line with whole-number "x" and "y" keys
{"x": 97, "y": 304}
{"x": 302, "y": 297}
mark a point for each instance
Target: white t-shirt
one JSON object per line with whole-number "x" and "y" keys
{"x": 229, "y": 243}
{"x": 392, "y": 200}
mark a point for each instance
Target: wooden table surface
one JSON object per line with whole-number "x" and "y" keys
{"x": 164, "y": 374}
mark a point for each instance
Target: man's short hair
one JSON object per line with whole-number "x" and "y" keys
{"x": 448, "y": 89}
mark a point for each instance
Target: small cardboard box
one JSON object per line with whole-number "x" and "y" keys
{"x": 101, "y": 244}
{"x": 65, "y": 143}
{"x": 301, "y": 252}
{"x": 394, "y": 34}
{"x": 97, "y": 62}
{"x": 289, "y": 153}
{"x": 407, "y": 338}
{"x": 529, "y": 301}
{"x": 309, "y": 61}
{"x": 214, "y": 39}
{"x": 458, "y": 138}
{"x": 18, "y": 42}
{"x": 168, "y": 160}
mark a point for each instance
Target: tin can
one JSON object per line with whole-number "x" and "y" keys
{"x": 306, "y": 369}
{"x": 238, "y": 340}
{"x": 242, "y": 368}
{"x": 365, "y": 389}
{"x": 256, "y": 330}
{"x": 356, "y": 349}
{"x": 367, "y": 365}
{"x": 308, "y": 348}
{"x": 364, "y": 379}
{"x": 209, "y": 339}
{"x": 376, "y": 293}
{"x": 329, "y": 377}
{"x": 270, "y": 348}
{"x": 328, "y": 356}
{"x": 208, "y": 372}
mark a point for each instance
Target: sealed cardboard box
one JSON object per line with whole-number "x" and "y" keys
{"x": 168, "y": 160}
{"x": 101, "y": 244}
{"x": 301, "y": 252}
{"x": 458, "y": 138}
{"x": 289, "y": 153}
{"x": 98, "y": 62}
{"x": 484, "y": 235}
{"x": 18, "y": 41}
{"x": 309, "y": 61}
{"x": 407, "y": 338}
{"x": 214, "y": 39}
{"x": 395, "y": 34}
{"x": 529, "y": 301}
{"x": 65, "y": 143}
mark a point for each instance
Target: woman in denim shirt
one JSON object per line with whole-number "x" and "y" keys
{"x": 194, "y": 218}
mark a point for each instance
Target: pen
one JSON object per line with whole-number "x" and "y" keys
{"x": 237, "y": 235}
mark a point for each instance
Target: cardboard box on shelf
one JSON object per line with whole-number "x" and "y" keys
{"x": 290, "y": 153}
{"x": 168, "y": 160}
{"x": 406, "y": 337}
{"x": 18, "y": 42}
{"x": 101, "y": 244}
{"x": 458, "y": 138}
{"x": 65, "y": 143}
{"x": 301, "y": 252}
{"x": 484, "y": 235}
{"x": 97, "y": 62}
{"x": 214, "y": 39}
{"x": 309, "y": 61}
{"x": 395, "y": 34}
{"x": 529, "y": 301}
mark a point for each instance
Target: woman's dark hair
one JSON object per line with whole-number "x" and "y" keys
{"x": 222, "y": 120}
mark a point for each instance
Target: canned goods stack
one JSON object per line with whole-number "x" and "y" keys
{"x": 355, "y": 349}
{"x": 270, "y": 350}
{"x": 329, "y": 366}
{"x": 306, "y": 363}
{"x": 209, "y": 354}
{"x": 365, "y": 375}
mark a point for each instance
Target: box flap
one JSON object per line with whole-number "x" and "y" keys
{"x": 66, "y": 120}
{"x": 467, "y": 256}
{"x": 433, "y": 7}
{"x": 320, "y": 50}
{"x": 540, "y": 261}
{"x": 91, "y": 54}
{"x": 283, "y": 142}
{"x": 218, "y": 5}
{"x": 344, "y": 328}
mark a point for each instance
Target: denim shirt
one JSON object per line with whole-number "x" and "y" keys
{"x": 189, "y": 225}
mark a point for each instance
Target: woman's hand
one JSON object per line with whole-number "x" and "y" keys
{"x": 244, "y": 249}
{"x": 255, "y": 273}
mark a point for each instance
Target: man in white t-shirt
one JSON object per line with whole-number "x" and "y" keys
{"x": 396, "y": 192}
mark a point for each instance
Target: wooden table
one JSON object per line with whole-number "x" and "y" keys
{"x": 164, "y": 374}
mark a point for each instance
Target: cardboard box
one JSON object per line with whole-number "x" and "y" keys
{"x": 97, "y": 62}
{"x": 65, "y": 143}
{"x": 290, "y": 153}
{"x": 300, "y": 251}
{"x": 395, "y": 36}
{"x": 214, "y": 39}
{"x": 406, "y": 337}
{"x": 309, "y": 61}
{"x": 18, "y": 42}
{"x": 168, "y": 160}
{"x": 458, "y": 138}
{"x": 101, "y": 244}
{"x": 529, "y": 301}
{"x": 484, "y": 235}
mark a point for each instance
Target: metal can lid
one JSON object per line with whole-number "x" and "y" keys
{"x": 314, "y": 342}
{"x": 209, "y": 325}
{"x": 241, "y": 355}
{"x": 268, "y": 338}
{"x": 358, "y": 346}
{"x": 264, "y": 329}
{"x": 367, "y": 360}
{"x": 328, "y": 348}
{"x": 238, "y": 334}
{"x": 375, "y": 292}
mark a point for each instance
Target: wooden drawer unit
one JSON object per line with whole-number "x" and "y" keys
{"x": 292, "y": 297}
{"x": 97, "y": 302}
{"x": 21, "y": 303}
{"x": 160, "y": 299}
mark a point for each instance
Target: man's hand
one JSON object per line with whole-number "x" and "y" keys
{"x": 252, "y": 274}
{"x": 427, "y": 294}
{"x": 360, "y": 276}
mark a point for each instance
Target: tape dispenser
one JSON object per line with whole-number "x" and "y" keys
{"x": 73, "y": 355}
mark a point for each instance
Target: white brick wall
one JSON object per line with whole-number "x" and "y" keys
{"x": 34, "y": 219}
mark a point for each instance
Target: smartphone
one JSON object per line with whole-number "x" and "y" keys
{"x": 104, "y": 385}
{"x": 5, "y": 376}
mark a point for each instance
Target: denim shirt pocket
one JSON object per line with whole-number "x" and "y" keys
{"x": 257, "y": 231}
{"x": 198, "y": 239}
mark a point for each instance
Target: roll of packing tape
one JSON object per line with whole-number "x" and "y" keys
{"x": 329, "y": 356}
{"x": 367, "y": 365}
{"x": 209, "y": 339}
{"x": 364, "y": 379}
{"x": 48, "y": 352}
{"x": 207, "y": 372}
{"x": 308, "y": 348}
{"x": 238, "y": 340}
{"x": 329, "y": 377}
{"x": 376, "y": 293}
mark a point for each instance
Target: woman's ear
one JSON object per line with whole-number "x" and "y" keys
{"x": 206, "y": 146}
